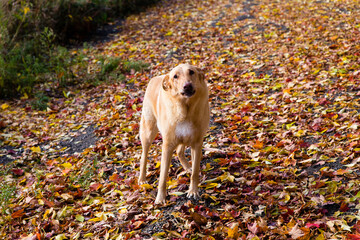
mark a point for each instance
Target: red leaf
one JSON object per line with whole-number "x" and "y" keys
{"x": 344, "y": 207}
{"x": 310, "y": 225}
{"x": 353, "y": 237}
{"x": 17, "y": 171}
{"x": 48, "y": 203}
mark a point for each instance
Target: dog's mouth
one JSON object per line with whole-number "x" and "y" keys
{"x": 188, "y": 93}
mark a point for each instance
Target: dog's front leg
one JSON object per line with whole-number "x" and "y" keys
{"x": 167, "y": 151}
{"x": 194, "y": 182}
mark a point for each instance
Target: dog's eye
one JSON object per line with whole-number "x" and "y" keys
{"x": 175, "y": 76}
{"x": 191, "y": 72}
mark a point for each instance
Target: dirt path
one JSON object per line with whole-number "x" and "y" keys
{"x": 281, "y": 157}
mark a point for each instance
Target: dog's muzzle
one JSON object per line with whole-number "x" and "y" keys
{"x": 188, "y": 90}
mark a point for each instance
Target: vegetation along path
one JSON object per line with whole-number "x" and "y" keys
{"x": 281, "y": 158}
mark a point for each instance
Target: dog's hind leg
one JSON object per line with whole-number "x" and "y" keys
{"x": 181, "y": 155}
{"x": 148, "y": 131}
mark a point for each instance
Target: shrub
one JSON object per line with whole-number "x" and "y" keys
{"x": 30, "y": 32}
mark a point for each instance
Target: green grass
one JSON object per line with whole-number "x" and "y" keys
{"x": 7, "y": 192}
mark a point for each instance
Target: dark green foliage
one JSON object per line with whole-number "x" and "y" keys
{"x": 30, "y": 32}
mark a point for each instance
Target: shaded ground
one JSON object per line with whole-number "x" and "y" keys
{"x": 281, "y": 156}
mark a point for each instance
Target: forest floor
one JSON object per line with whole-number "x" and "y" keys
{"x": 281, "y": 158}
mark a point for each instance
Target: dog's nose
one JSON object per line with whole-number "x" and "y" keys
{"x": 188, "y": 87}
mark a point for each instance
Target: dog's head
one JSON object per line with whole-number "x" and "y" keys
{"x": 184, "y": 80}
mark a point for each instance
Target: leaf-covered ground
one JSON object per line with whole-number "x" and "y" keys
{"x": 281, "y": 159}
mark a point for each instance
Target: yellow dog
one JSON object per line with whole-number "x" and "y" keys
{"x": 177, "y": 105}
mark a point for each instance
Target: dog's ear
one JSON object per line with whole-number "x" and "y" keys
{"x": 201, "y": 74}
{"x": 165, "y": 83}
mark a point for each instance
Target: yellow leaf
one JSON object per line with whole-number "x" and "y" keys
{"x": 36, "y": 149}
{"x": 118, "y": 98}
{"x": 157, "y": 164}
{"x": 172, "y": 183}
{"x": 98, "y": 219}
{"x": 47, "y": 212}
{"x": 287, "y": 198}
{"x": 177, "y": 193}
{"x": 299, "y": 133}
{"x": 25, "y": 96}
{"x": 233, "y": 232}
{"x": 26, "y": 10}
{"x": 320, "y": 237}
{"x": 147, "y": 186}
{"x": 66, "y": 165}
{"x": 227, "y": 177}
{"x": 169, "y": 33}
{"x": 60, "y": 237}
{"x": 79, "y": 218}
{"x": 88, "y": 235}
{"x": 211, "y": 185}
{"x": 4, "y": 106}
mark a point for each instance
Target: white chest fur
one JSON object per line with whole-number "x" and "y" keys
{"x": 184, "y": 130}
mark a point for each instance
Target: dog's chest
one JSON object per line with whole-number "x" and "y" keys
{"x": 184, "y": 131}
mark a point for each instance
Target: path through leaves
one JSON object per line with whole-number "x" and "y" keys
{"x": 281, "y": 159}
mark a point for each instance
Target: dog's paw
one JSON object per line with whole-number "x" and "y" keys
{"x": 188, "y": 170}
{"x": 193, "y": 194}
{"x": 160, "y": 201}
{"x": 142, "y": 181}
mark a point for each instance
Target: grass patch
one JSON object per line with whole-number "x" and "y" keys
{"x": 7, "y": 192}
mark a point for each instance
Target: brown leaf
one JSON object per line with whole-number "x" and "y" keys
{"x": 198, "y": 218}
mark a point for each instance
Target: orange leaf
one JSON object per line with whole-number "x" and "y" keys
{"x": 287, "y": 91}
{"x": 18, "y": 214}
{"x": 258, "y": 144}
{"x": 138, "y": 224}
{"x": 115, "y": 178}
{"x": 95, "y": 186}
